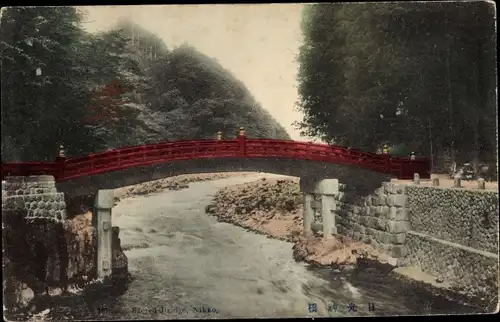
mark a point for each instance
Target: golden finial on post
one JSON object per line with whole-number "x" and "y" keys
{"x": 62, "y": 153}
{"x": 219, "y": 135}
{"x": 385, "y": 149}
{"x": 242, "y": 131}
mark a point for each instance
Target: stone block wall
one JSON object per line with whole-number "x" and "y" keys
{"x": 41, "y": 246}
{"x": 449, "y": 233}
{"x": 380, "y": 219}
{"x": 454, "y": 236}
{"x": 37, "y": 195}
{"x": 465, "y": 217}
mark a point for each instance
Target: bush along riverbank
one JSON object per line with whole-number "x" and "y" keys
{"x": 273, "y": 207}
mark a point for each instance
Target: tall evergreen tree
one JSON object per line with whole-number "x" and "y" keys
{"x": 406, "y": 74}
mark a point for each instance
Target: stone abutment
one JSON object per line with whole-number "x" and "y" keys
{"x": 448, "y": 233}
{"x": 46, "y": 248}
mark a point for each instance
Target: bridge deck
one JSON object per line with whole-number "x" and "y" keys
{"x": 242, "y": 148}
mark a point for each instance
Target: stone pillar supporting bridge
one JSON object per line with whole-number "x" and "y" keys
{"x": 326, "y": 190}
{"x": 101, "y": 218}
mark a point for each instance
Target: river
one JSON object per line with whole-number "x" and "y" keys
{"x": 186, "y": 264}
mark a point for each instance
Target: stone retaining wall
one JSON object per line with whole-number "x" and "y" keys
{"x": 470, "y": 271}
{"x": 450, "y": 233}
{"x": 465, "y": 217}
{"x": 36, "y": 194}
{"x": 42, "y": 247}
{"x": 454, "y": 236}
{"x": 379, "y": 219}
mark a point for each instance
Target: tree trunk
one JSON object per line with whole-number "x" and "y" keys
{"x": 431, "y": 145}
{"x": 440, "y": 157}
{"x": 133, "y": 39}
{"x": 450, "y": 109}
{"x": 479, "y": 108}
{"x": 450, "y": 101}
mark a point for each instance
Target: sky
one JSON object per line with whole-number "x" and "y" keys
{"x": 258, "y": 43}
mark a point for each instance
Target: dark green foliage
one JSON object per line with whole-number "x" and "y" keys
{"x": 41, "y": 112}
{"x": 108, "y": 90}
{"x": 186, "y": 82}
{"x": 412, "y": 74}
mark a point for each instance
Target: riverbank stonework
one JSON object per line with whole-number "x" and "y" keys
{"x": 379, "y": 219}
{"x": 467, "y": 270}
{"x": 454, "y": 236}
{"x": 44, "y": 246}
{"x": 465, "y": 217}
{"x": 450, "y": 233}
{"x": 37, "y": 195}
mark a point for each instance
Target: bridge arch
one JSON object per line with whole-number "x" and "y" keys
{"x": 128, "y": 166}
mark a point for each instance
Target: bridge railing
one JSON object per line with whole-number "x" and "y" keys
{"x": 147, "y": 155}
{"x": 66, "y": 169}
{"x": 25, "y": 169}
{"x": 401, "y": 167}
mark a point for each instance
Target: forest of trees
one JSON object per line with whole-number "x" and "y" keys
{"x": 123, "y": 87}
{"x": 416, "y": 76}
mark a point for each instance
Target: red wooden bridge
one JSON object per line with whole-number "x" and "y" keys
{"x": 67, "y": 169}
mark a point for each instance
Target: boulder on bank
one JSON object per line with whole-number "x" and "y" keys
{"x": 339, "y": 252}
{"x": 268, "y": 206}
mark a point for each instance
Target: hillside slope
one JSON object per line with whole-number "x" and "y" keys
{"x": 92, "y": 92}
{"x": 185, "y": 94}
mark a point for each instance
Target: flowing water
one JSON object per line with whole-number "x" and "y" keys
{"x": 186, "y": 264}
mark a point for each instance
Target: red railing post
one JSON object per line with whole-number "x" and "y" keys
{"x": 60, "y": 163}
{"x": 242, "y": 141}
{"x": 402, "y": 164}
{"x": 387, "y": 160}
{"x": 91, "y": 159}
{"x": 218, "y": 138}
